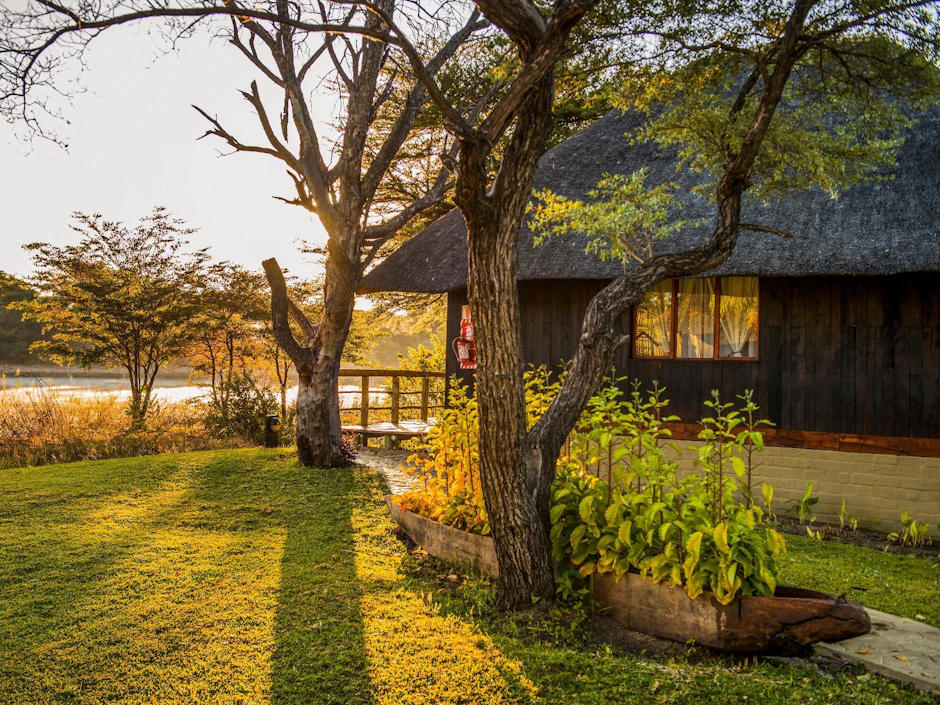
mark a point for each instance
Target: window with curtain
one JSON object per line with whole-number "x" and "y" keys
{"x": 653, "y": 332}
{"x": 737, "y": 319}
{"x": 695, "y": 325}
{"x": 680, "y": 319}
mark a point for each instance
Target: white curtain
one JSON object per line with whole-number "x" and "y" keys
{"x": 695, "y": 327}
{"x": 738, "y": 317}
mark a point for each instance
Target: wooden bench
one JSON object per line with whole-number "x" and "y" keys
{"x": 391, "y": 431}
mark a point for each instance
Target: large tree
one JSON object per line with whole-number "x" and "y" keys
{"x": 721, "y": 72}
{"x": 337, "y": 172}
{"x": 121, "y": 297}
{"x": 385, "y": 162}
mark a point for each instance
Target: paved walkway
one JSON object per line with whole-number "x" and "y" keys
{"x": 899, "y": 648}
{"x": 389, "y": 463}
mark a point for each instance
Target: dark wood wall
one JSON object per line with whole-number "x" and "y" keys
{"x": 845, "y": 355}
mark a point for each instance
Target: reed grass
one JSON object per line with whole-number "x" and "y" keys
{"x": 39, "y": 426}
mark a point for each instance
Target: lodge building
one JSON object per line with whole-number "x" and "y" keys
{"x": 837, "y": 329}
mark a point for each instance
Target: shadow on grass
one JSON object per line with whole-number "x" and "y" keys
{"x": 238, "y": 577}
{"x": 320, "y": 646}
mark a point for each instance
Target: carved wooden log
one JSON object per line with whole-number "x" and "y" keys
{"x": 445, "y": 542}
{"x": 786, "y": 623}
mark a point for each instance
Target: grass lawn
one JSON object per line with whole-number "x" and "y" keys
{"x": 239, "y": 577}
{"x": 903, "y": 585}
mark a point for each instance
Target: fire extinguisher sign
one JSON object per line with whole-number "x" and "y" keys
{"x": 464, "y": 347}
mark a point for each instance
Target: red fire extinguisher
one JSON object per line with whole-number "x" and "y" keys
{"x": 464, "y": 347}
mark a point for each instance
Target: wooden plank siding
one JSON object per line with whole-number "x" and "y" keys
{"x": 848, "y": 357}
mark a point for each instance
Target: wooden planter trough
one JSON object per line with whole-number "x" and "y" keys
{"x": 784, "y": 624}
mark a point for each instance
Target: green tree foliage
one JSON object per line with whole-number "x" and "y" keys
{"x": 122, "y": 297}
{"x": 431, "y": 357}
{"x": 16, "y": 335}
{"x": 861, "y": 80}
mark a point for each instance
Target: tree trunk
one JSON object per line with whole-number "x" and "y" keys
{"x": 494, "y": 216}
{"x": 317, "y": 424}
{"x": 317, "y": 421}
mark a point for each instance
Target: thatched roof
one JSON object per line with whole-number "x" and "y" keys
{"x": 878, "y": 229}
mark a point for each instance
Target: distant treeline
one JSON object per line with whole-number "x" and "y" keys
{"x": 16, "y": 335}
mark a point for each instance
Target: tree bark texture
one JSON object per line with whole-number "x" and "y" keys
{"x": 493, "y": 217}
{"x": 317, "y": 423}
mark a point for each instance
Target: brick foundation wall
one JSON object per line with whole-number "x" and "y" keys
{"x": 873, "y": 485}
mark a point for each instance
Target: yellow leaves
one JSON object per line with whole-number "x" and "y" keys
{"x": 623, "y": 533}
{"x": 720, "y": 537}
{"x": 775, "y": 542}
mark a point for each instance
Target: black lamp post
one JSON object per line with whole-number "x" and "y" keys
{"x": 272, "y": 425}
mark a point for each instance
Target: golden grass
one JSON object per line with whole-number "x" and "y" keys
{"x": 240, "y": 577}
{"x": 40, "y": 427}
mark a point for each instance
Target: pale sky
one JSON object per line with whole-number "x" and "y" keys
{"x": 133, "y": 145}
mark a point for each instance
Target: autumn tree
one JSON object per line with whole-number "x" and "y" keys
{"x": 121, "y": 297}
{"x": 227, "y": 328}
{"x": 16, "y": 335}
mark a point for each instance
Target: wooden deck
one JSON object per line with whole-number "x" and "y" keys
{"x": 430, "y": 399}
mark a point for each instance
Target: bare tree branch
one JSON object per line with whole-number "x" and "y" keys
{"x": 280, "y": 311}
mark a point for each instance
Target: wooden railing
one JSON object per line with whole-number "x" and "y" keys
{"x": 428, "y": 400}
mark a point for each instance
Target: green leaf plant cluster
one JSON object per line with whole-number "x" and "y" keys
{"x": 620, "y": 503}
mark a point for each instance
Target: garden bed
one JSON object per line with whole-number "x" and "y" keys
{"x": 783, "y": 624}
{"x": 867, "y": 538}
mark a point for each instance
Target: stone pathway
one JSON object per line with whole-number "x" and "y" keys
{"x": 389, "y": 463}
{"x": 902, "y": 649}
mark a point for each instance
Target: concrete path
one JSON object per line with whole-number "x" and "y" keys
{"x": 389, "y": 463}
{"x": 902, "y": 649}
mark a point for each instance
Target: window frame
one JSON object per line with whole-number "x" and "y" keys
{"x": 673, "y": 332}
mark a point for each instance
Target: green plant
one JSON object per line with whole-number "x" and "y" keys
{"x": 767, "y": 493}
{"x": 822, "y": 534}
{"x": 237, "y": 408}
{"x": 803, "y": 506}
{"x": 847, "y": 522}
{"x": 913, "y": 533}
{"x": 638, "y": 514}
{"x": 753, "y": 442}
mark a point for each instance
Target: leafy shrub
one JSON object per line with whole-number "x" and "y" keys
{"x": 238, "y": 407}
{"x": 447, "y": 468}
{"x": 694, "y": 530}
{"x": 619, "y": 502}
